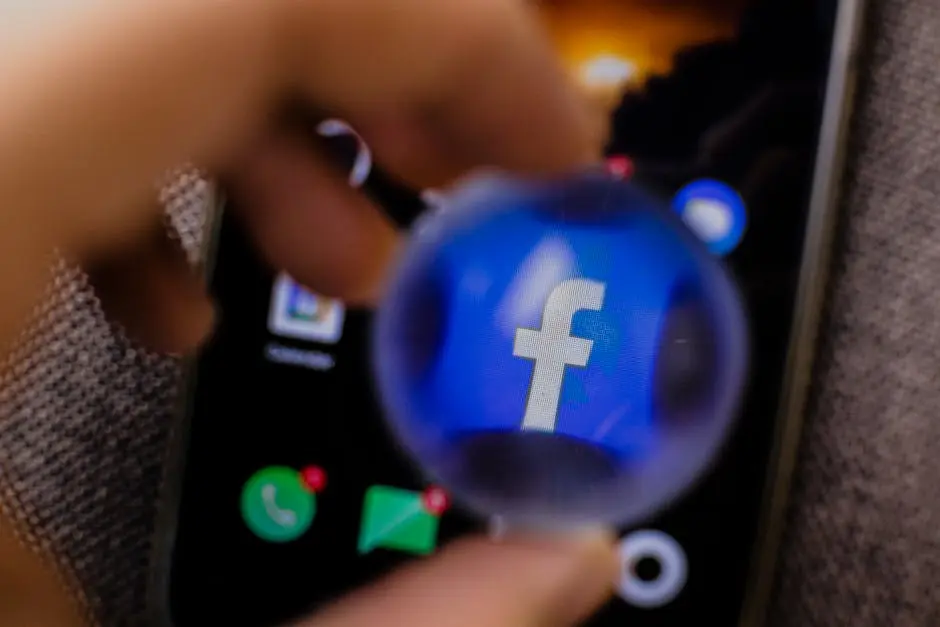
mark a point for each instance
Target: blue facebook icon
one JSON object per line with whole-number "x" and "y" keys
{"x": 552, "y": 347}
{"x": 542, "y": 347}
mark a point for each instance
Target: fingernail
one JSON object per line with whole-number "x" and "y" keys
{"x": 589, "y": 566}
{"x": 582, "y": 543}
{"x": 578, "y": 568}
{"x": 567, "y": 532}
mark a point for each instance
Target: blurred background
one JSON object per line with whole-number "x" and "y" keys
{"x": 614, "y": 45}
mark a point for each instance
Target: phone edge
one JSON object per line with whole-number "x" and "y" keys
{"x": 157, "y": 608}
{"x": 808, "y": 307}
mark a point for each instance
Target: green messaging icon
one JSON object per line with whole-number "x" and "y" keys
{"x": 401, "y": 520}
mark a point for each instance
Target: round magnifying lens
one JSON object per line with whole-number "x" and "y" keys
{"x": 560, "y": 354}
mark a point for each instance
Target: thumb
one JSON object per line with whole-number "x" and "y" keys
{"x": 486, "y": 583}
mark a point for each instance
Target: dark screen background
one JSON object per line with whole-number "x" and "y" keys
{"x": 737, "y": 98}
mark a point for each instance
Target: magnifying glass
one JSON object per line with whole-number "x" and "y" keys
{"x": 560, "y": 354}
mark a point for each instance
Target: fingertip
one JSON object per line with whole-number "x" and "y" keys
{"x": 155, "y": 296}
{"x": 307, "y": 220}
{"x": 196, "y": 321}
{"x": 480, "y": 582}
{"x": 519, "y": 109}
{"x": 593, "y": 569}
{"x": 576, "y": 573}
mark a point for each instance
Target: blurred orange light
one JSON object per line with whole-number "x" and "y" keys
{"x": 607, "y": 71}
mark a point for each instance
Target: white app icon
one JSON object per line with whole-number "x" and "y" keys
{"x": 362, "y": 166}
{"x": 711, "y": 220}
{"x": 298, "y": 313}
{"x": 669, "y": 563}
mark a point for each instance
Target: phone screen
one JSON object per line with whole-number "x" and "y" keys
{"x": 292, "y": 493}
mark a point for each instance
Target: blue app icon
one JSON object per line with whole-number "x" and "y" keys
{"x": 713, "y": 211}
{"x": 302, "y": 305}
{"x": 540, "y": 350}
{"x": 555, "y": 331}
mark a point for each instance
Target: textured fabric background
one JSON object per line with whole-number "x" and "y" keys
{"x": 88, "y": 413}
{"x": 863, "y": 541}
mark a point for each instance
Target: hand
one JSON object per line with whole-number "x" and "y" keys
{"x": 101, "y": 102}
{"x": 101, "y": 98}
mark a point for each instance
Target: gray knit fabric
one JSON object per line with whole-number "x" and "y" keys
{"x": 86, "y": 420}
{"x": 88, "y": 413}
{"x": 863, "y": 542}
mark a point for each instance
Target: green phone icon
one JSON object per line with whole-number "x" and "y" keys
{"x": 277, "y": 504}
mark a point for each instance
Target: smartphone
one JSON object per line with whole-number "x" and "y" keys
{"x": 285, "y": 492}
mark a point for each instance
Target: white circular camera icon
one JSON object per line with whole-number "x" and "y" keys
{"x": 666, "y": 561}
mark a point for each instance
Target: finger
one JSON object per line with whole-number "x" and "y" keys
{"x": 154, "y": 294}
{"x": 153, "y": 84}
{"x": 307, "y": 220}
{"x": 395, "y": 139}
{"x": 408, "y": 151}
{"x": 481, "y": 583}
{"x": 492, "y": 90}
{"x": 413, "y": 148}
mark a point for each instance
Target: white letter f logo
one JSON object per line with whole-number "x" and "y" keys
{"x": 552, "y": 348}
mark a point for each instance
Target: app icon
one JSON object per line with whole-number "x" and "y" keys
{"x": 713, "y": 211}
{"x": 298, "y": 313}
{"x": 401, "y": 520}
{"x": 654, "y": 569}
{"x": 278, "y": 504}
{"x": 541, "y": 339}
{"x": 362, "y": 162}
{"x": 551, "y": 335}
